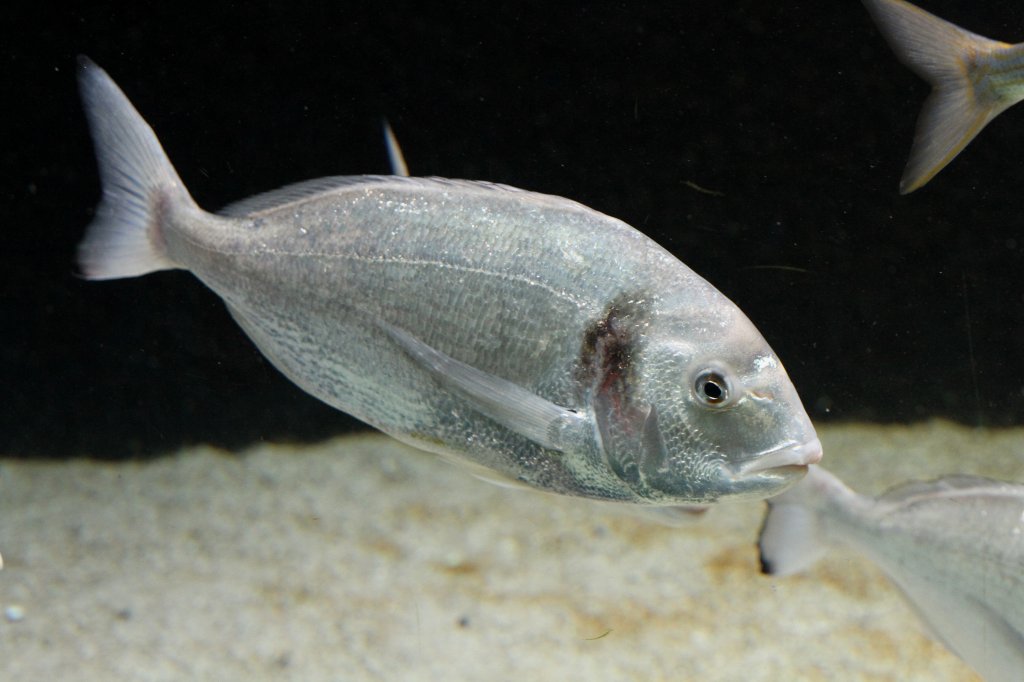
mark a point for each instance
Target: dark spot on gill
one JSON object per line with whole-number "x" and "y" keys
{"x": 609, "y": 349}
{"x": 607, "y": 380}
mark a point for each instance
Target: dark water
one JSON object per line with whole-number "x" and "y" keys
{"x": 795, "y": 115}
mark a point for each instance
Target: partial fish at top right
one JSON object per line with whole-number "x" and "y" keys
{"x": 973, "y": 79}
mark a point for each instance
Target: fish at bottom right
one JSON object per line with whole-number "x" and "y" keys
{"x": 953, "y": 546}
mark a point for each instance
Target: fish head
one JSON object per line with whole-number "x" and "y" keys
{"x": 698, "y": 408}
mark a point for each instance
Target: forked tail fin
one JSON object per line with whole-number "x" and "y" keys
{"x": 139, "y": 184}
{"x": 963, "y": 98}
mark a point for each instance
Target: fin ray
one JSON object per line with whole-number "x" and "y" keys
{"x": 949, "y": 58}
{"x": 138, "y": 181}
{"x": 551, "y": 426}
{"x": 949, "y": 120}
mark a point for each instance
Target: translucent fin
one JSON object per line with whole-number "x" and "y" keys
{"x": 398, "y": 165}
{"x": 308, "y": 189}
{"x": 297, "y": 192}
{"x": 545, "y": 423}
{"x": 792, "y": 538}
{"x": 953, "y": 61}
{"x": 139, "y": 184}
{"x": 974, "y": 631}
{"x": 957, "y": 485}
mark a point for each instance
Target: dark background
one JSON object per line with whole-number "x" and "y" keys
{"x": 883, "y": 308}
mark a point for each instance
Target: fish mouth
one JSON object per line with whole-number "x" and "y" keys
{"x": 791, "y": 458}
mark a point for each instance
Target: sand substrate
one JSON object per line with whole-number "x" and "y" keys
{"x": 360, "y": 559}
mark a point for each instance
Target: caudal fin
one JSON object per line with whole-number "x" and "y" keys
{"x": 139, "y": 184}
{"x": 962, "y": 101}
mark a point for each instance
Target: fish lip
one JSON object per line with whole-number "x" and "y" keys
{"x": 789, "y": 458}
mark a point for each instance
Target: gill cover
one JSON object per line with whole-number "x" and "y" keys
{"x": 627, "y": 424}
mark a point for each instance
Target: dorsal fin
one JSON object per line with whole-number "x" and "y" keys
{"x": 397, "y": 159}
{"x": 310, "y": 188}
{"x": 296, "y": 192}
{"x": 950, "y": 486}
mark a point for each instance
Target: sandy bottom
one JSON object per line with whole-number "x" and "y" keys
{"x": 361, "y": 559}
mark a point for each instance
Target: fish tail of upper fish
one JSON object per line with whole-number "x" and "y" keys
{"x": 139, "y": 185}
{"x": 794, "y": 534}
{"x": 973, "y": 80}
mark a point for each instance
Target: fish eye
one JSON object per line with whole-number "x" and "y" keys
{"x": 711, "y": 387}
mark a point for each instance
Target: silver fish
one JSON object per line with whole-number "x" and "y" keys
{"x": 973, "y": 79}
{"x": 525, "y": 335}
{"x": 954, "y": 547}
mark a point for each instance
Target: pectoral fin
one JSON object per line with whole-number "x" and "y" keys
{"x": 615, "y": 443}
{"x": 978, "y": 632}
{"x": 551, "y": 426}
{"x": 630, "y": 438}
{"x": 654, "y": 452}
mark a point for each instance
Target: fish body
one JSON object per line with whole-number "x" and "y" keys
{"x": 973, "y": 79}
{"x": 525, "y": 335}
{"x": 954, "y": 547}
